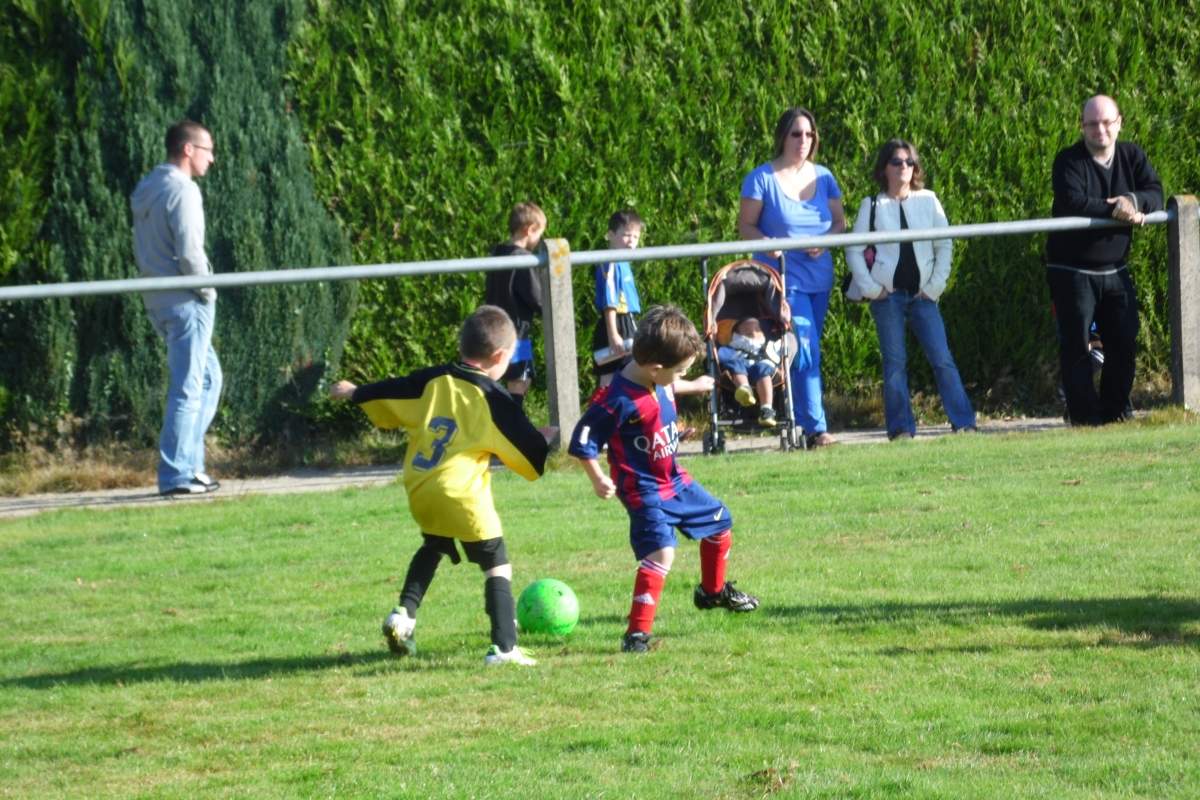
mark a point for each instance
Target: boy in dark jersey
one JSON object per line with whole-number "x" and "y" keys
{"x": 457, "y": 417}
{"x": 519, "y": 292}
{"x": 635, "y": 416}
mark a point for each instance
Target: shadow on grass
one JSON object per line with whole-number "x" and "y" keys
{"x": 1143, "y": 622}
{"x": 196, "y": 672}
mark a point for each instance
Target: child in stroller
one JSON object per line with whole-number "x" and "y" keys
{"x": 749, "y": 344}
{"x": 750, "y": 361}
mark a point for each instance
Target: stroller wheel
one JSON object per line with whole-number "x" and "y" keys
{"x": 790, "y": 440}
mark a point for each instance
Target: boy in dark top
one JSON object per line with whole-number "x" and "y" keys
{"x": 519, "y": 292}
{"x": 1086, "y": 269}
{"x": 457, "y": 417}
{"x": 635, "y": 416}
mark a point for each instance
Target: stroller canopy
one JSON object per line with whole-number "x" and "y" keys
{"x": 741, "y": 289}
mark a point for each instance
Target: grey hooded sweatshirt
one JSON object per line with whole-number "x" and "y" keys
{"x": 168, "y": 234}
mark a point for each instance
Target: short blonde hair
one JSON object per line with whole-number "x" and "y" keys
{"x": 523, "y": 215}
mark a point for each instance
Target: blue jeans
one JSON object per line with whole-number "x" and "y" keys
{"x": 193, "y": 388}
{"x": 735, "y": 361}
{"x": 892, "y": 314}
{"x": 808, "y": 320}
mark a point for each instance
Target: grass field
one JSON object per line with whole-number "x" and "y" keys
{"x": 981, "y": 616}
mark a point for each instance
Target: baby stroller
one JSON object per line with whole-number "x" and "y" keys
{"x": 739, "y": 290}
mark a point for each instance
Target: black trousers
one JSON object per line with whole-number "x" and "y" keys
{"x": 1109, "y": 300}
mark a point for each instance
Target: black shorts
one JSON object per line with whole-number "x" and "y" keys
{"x": 626, "y": 325}
{"x": 488, "y": 554}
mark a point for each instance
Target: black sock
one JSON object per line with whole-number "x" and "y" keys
{"x": 498, "y": 600}
{"x": 420, "y": 574}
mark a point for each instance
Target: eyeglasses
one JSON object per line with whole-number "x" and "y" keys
{"x": 902, "y": 162}
{"x": 1101, "y": 123}
{"x": 200, "y": 146}
{"x": 803, "y": 134}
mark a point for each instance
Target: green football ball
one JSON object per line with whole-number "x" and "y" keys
{"x": 548, "y": 606}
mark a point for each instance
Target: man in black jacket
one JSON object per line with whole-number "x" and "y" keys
{"x": 1086, "y": 269}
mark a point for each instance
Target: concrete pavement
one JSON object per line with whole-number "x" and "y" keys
{"x": 313, "y": 480}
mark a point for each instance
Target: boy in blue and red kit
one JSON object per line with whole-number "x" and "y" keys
{"x": 635, "y": 416}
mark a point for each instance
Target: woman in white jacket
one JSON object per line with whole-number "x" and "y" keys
{"x": 904, "y": 284}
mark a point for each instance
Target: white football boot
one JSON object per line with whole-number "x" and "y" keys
{"x": 398, "y": 630}
{"x": 514, "y": 656}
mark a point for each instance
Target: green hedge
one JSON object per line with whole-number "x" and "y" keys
{"x": 421, "y": 123}
{"x": 426, "y": 121}
{"x": 126, "y": 70}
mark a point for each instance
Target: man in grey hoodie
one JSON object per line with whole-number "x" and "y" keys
{"x": 168, "y": 240}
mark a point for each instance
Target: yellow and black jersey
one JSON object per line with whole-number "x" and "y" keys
{"x": 456, "y": 418}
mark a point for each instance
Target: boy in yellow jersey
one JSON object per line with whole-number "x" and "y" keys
{"x": 457, "y": 416}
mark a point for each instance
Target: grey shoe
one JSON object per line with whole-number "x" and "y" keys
{"x": 636, "y": 642}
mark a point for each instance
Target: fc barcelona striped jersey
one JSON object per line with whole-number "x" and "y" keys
{"x": 639, "y": 427}
{"x": 456, "y": 418}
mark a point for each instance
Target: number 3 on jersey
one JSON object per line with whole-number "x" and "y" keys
{"x": 445, "y": 428}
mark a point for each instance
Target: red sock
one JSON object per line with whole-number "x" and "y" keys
{"x": 714, "y": 551}
{"x": 647, "y": 591}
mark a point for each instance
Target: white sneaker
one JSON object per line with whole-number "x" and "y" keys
{"x": 398, "y": 631}
{"x": 210, "y": 485}
{"x": 514, "y": 656}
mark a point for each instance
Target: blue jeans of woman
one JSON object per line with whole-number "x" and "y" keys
{"x": 808, "y": 320}
{"x": 193, "y": 388}
{"x": 893, "y": 314}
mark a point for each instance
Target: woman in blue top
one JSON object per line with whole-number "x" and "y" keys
{"x": 791, "y": 196}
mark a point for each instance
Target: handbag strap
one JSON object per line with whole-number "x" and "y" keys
{"x": 871, "y": 227}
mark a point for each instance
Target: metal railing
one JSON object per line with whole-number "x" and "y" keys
{"x": 230, "y": 280}
{"x": 555, "y": 261}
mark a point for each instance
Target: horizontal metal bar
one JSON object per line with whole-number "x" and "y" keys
{"x": 229, "y": 280}
{"x": 847, "y": 239}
